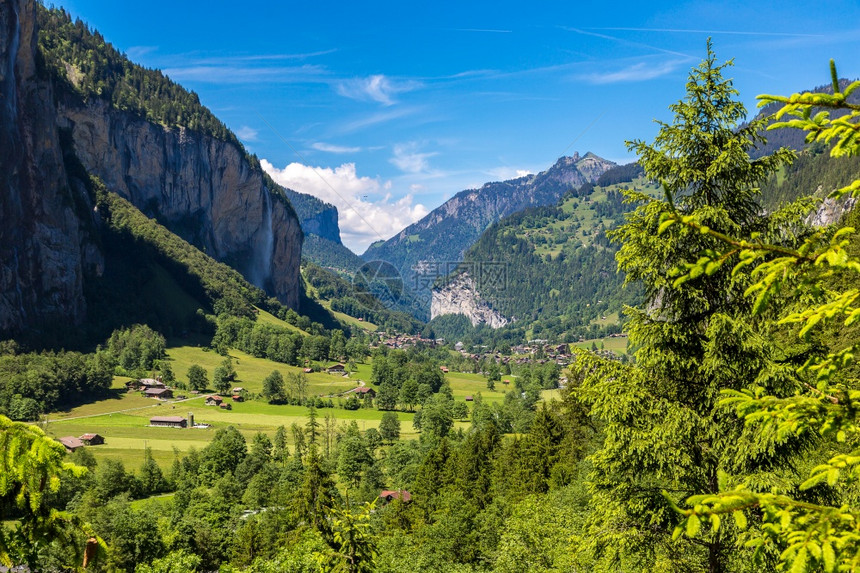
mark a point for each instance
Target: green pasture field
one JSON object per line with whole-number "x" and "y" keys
{"x": 617, "y": 345}
{"x": 251, "y": 371}
{"x": 123, "y": 417}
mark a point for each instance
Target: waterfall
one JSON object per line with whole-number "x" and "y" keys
{"x": 262, "y": 268}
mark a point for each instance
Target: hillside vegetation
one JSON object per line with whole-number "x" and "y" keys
{"x": 560, "y": 270}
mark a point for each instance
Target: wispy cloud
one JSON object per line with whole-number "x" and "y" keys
{"x": 246, "y": 133}
{"x": 378, "y": 88}
{"x": 329, "y": 148}
{"x": 376, "y": 119}
{"x": 638, "y": 72}
{"x": 408, "y": 159}
{"x": 136, "y": 52}
{"x": 712, "y": 32}
{"x": 229, "y": 74}
{"x": 232, "y": 59}
{"x": 626, "y": 42}
{"x": 505, "y": 173}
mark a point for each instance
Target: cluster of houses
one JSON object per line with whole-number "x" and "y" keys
{"x": 396, "y": 340}
{"x": 221, "y": 402}
{"x": 72, "y": 443}
{"x": 150, "y": 387}
{"x": 524, "y": 354}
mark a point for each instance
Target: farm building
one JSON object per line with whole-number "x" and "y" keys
{"x": 237, "y": 398}
{"x": 336, "y": 369}
{"x": 389, "y": 494}
{"x": 214, "y": 400}
{"x": 92, "y": 439}
{"x": 160, "y": 393}
{"x": 72, "y": 443}
{"x": 168, "y": 421}
{"x": 363, "y": 391}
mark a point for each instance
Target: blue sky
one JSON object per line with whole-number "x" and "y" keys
{"x": 388, "y": 109}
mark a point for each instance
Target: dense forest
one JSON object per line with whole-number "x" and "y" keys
{"x": 93, "y": 68}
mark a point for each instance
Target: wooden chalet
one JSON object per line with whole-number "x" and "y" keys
{"x": 214, "y": 400}
{"x": 160, "y": 393}
{"x": 169, "y": 421}
{"x": 151, "y": 383}
{"x": 363, "y": 391}
{"x": 336, "y": 369}
{"x": 92, "y": 439}
{"x": 71, "y": 443}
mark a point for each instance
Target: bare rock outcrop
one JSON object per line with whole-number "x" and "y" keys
{"x": 45, "y": 247}
{"x": 460, "y": 296}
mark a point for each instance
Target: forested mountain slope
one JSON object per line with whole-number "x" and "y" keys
{"x": 443, "y": 236}
{"x": 559, "y": 277}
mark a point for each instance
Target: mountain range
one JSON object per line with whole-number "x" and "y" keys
{"x": 433, "y": 246}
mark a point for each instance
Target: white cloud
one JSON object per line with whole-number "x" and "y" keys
{"x": 329, "y": 148}
{"x": 409, "y": 160}
{"x": 635, "y": 73}
{"x": 246, "y": 133}
{"x": 506, "y": 173}
{"x": 367, "y": 210}
{"x": 376, "y": 88}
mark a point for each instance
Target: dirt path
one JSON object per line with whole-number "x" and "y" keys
{"x": 48, "y": 421}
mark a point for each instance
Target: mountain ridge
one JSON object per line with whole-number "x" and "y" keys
{"x": 444, "y": 234}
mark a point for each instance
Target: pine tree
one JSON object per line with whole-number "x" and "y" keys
{"x": 664, "y": 429}
{"x": 312, "y": 428}
{"x": 31, "y": 469}
{"x": 809, "y": 531}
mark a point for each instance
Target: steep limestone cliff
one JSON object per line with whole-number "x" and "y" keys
{"x": 459, "y": 296}
{"x": 45, "y": 248}
{"x": 830, "y": 211}
{"x": 317, "y": 217}
{"x": 201, "y": 188}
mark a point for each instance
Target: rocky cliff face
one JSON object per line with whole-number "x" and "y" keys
{"x": 316, "y": 216}
{"x": 45, "y": 248}
{"x": 459, "y": 296}
{"x": 323, "y": 224}
{"x": 201, "y": 188}
{"x": 831, "y": 211}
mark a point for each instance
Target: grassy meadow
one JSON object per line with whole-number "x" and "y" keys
{"x": 123, "y": 418}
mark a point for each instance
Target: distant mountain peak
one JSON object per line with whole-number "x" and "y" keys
{"x": 445, "y": 233}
